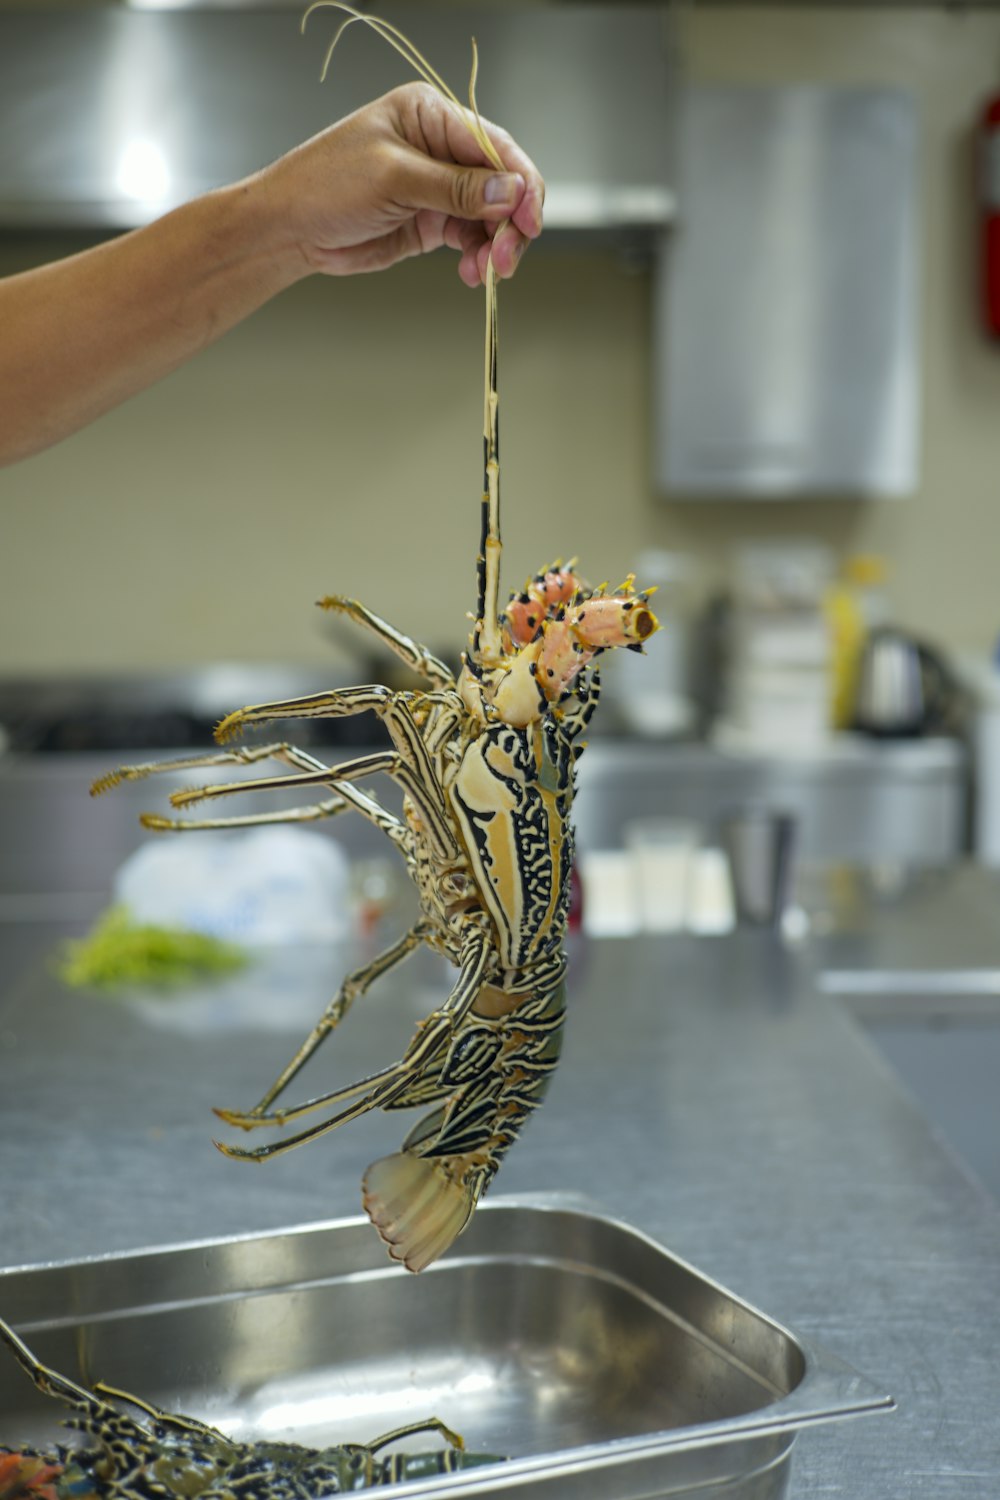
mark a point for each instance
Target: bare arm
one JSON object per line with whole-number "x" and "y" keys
{"x": 81, "y": 335}
{"x": 399, "y": 177}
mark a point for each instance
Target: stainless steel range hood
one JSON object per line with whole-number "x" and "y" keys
{"x": 109, "y": 115}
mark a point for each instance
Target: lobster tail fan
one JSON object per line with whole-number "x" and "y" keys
{"x": 418, "y": 1210}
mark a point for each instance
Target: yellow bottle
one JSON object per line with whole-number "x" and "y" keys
{"x": 853, "y": 606}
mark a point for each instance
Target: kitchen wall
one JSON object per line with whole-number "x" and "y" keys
{"x": 942, "y": 544}
{"x": 333, "y": 442}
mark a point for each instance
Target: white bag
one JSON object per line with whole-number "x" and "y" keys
{"x": 256, "y": 887}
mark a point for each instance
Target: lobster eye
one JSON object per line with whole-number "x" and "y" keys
{"x": 644, "y": 623}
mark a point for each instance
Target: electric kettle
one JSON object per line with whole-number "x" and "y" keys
{"x": 904, "y": 688}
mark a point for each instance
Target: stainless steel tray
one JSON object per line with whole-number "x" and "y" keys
{"x": 599, "y": 1364}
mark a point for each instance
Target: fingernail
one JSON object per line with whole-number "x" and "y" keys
{"x": 503, "y": 188}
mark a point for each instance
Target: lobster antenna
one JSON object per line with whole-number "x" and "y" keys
{"x": 401, "y": 42}
{"x": 486, "y": 635}
{"x": 488, "y": 608}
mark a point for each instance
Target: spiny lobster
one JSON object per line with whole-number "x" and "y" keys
{"x": 170, "y": 1457}
{"x": 485, "y": 761}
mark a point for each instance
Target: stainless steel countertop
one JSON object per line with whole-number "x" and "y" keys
{"x": 889, "y": 921}
{"x": 709, "y": 1093}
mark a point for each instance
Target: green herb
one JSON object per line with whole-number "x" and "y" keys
{"x": 119, "y": 951}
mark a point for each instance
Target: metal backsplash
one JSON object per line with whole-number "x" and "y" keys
{"x": 108, "y": 116}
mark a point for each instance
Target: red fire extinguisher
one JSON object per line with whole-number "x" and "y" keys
{"x": 989, "y": 198}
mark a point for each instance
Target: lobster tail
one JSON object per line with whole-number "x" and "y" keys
{"x": 417, "y": 1208}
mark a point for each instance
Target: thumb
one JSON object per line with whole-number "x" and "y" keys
{"x": 465, "y": 192}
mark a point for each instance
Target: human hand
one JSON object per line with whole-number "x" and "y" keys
{"x": 401, "y": 176}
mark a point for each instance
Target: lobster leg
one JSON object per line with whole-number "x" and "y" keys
{"x": 431, "y": 1036}
{"x": 445, "y": 719}
{"x": 337, "y": 703}
{"x": 49, "y": 1382}
{"x": 354, "y": 985}
{"x": 347, "y": 796}
{"x": 431, "y": 1424}
{"x": 417, "y": 657}
{"x": 242, "y": 755}
{"x": 311, "y": 813}
{"x": 387, "y": 762}
{"x": 96, "y": 1404}
{"x": 415, "y": 762}
{"x": 412, "y": 768}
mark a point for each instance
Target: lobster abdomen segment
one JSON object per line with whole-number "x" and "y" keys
{"x": 421, "y": 1198}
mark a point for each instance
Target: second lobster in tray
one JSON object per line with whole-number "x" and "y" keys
{"x": 485, "y": 761}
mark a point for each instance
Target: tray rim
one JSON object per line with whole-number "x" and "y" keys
{"x": 830, "y": 1389}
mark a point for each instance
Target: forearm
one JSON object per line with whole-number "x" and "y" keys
{"x": 80, "y": 336}
{"x": 399, "y": 177}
